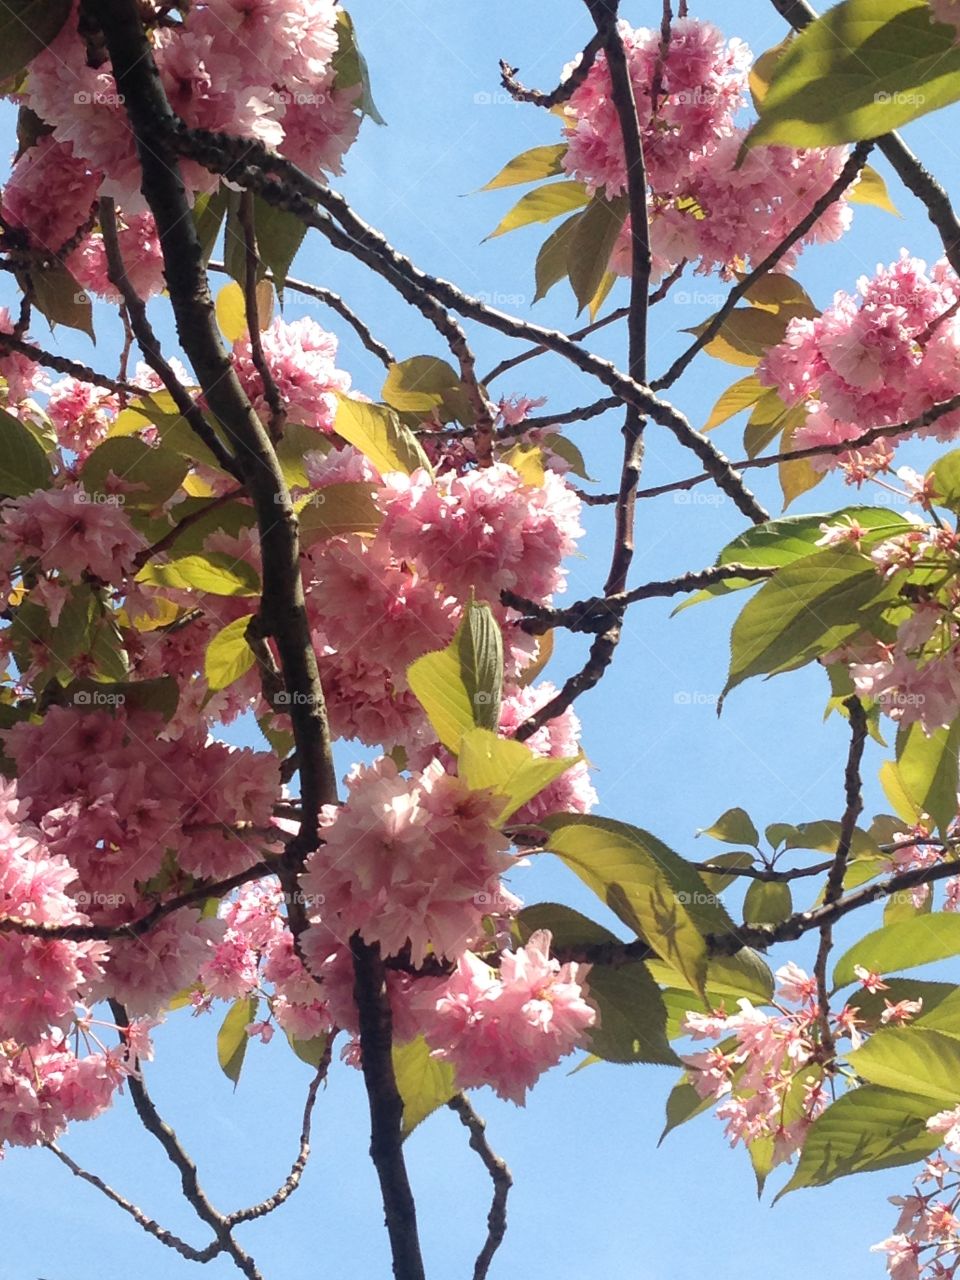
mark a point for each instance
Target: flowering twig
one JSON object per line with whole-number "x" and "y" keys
{"x": 500, "y": 1176}
{"x": 847, "y": 175}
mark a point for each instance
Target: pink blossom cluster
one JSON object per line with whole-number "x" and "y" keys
{"x": 408, "y": 861}
{"x": 262, "y": 69}
{"x": 506, "y": 1027}
{"x": 767, "y": 1082}
{"x": 878, "y": 358}
{"x": 702, "y": 206}
{"x": 925, "y": 1243}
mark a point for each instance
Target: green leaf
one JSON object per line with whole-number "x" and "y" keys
{"x": 866, "y": 1129}
{"x": 648, "y": 886}
{"x": 419, "y": 384}
{"x": 506, "y": 767}
{"x": 542, "y": 205}
{"x": 553, "y": 260}
{"x": 215, "y": 572}
{"x": 232, "y": 1038}
{"x": 927, "y": 769}
{"x": 945, "y": 474}
{"x": 632, "y": 1024}
{"x": 735, "y": 399}
{"x": 913, "y": 1059}
{"x": 735, "y": 826}
{"x": 26, "y": 27}
{"x": 424, "y": 1083}
{"x": 767, "y": 902}
{"x": 748, "y": 332}
{"x": 380, "y": 436}
{"x": 459, "y": 686}
{"x": 350, "y": 66}
{"x": 716, "y": 882}
{"x": 902, "y": 946}
{"x": 208, "y": 212}
{"x": 803, "y": 611}
{"x": 567, "y": 450}
{"x": 780, "y": 542}
{"x": 150, "y": 474}
{"x": 885, "y": 61}
{"x": 594, "y": 239}
{"x": 529, "y": 166}
{"x": 312, "y": 1051}
{"x": 228, "y": 655}
{"x": 279, "y": 237}
{"x": 23, "y": 463}
{"x": 338, "y": 509}
{"x": 797, "y": 477}
{"x": 871, "y": 189}
{"x": 60, "y": 298}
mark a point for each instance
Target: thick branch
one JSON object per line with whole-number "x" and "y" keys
{"x": 386, "y": 1109}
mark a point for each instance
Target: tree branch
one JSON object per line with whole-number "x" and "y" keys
{"x": 564, "y": 90}
{"x": 500, "y": 1176}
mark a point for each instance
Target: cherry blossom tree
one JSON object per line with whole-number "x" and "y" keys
{"x": 228, "y": 532}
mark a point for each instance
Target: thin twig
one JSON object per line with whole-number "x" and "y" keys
{"x": 564, "y": 90}
{"x": 833, "y": 889}
{"x": 271, "y": 392}
{"x": 500, "y": 1176}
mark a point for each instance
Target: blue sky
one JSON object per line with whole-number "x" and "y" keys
{"x": 593, "y": 1196}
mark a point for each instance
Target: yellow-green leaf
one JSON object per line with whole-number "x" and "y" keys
{"x": 338, "y": 509}
{"x": 543, "y": 205}
{"x": 506, "y": 767}
{"x": 228, "y": 655}
{"x": 735, "y": 399}
{"x": 419, "y": 384}
{"x": 380, "y": 436}
{"x": 232, "y": 1037}
{"x": 215, "y": 572}
{"x": 528, "y": 461}
{"x": 423, "y": 1082}
{"x": 459, "y": 686}
{"x": 231, "y": 308}
{"x": 529, "y": 166}
{"x": 871, "y": 189}
{"x": 23, "y": 464}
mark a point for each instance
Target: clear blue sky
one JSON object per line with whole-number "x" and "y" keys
{"x": 593, "y": 1196}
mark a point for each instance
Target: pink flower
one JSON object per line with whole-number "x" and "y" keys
{"x": 485, "y": 530}
{"x": 947, "y": 1123}
{"x": 505, "y": 1029}
{"x": 301, "y": 356}
{"x": 902, "y": 1256}
{"x": 65, "y": 530}
{"x": 408, "y": 861}
{"x": 49, "y": 195}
